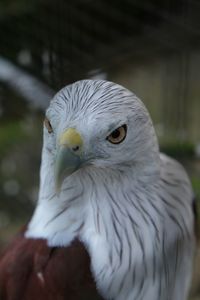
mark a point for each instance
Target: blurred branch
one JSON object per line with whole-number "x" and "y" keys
{"x": 31, "y": 89}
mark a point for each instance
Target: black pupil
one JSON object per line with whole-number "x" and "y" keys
{"x": 115, "y": 134}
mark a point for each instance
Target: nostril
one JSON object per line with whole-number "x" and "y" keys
{"x": 75, "y": 148}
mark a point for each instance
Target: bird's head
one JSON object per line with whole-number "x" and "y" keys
{"x": 99, "y": 143}
{"x": 100, "y": 124}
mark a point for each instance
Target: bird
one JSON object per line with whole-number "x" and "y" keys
{"x": 114, "y": 217}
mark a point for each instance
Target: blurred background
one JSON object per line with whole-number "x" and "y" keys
{"x": 150, "y": 46}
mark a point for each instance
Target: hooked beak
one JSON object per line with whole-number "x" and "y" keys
{"x": 68, "y": 157}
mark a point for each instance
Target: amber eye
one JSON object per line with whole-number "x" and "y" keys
{"x": 48, "y": 125}
{"x": 118, "y": 135}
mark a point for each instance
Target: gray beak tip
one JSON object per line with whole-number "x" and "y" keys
{"x": 66, "y": 164}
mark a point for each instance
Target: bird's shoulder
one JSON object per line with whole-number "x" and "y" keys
{"x": 30, "y": 269}
{"x": 172, "y": 169}
{"x": 174, "y": 179}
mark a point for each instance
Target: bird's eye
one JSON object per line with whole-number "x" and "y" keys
{"x": 118, "y": 135}
{"x": 48, "y": 125}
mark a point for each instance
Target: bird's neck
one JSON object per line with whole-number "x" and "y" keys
{"x": 105, "y": 210}
{"x": 120, "y": 234}
{"x": 88, "y": 194}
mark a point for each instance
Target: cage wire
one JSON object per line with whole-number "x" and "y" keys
{"x": 63, "y": 41}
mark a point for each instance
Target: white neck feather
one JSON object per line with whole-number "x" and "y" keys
{"x": 86, "y": 209}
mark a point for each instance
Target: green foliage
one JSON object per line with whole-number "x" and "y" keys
{"x": 10, "y": 135}
{"x": 196, "y": 187}
{"x": 178, "y": 149}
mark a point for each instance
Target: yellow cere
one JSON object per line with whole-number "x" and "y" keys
{"x": 71, "y": 138}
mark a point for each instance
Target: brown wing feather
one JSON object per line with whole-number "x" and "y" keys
{"x": 31, "y": 270}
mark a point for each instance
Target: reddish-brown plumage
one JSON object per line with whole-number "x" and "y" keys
{"x": 30, "y": 270}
